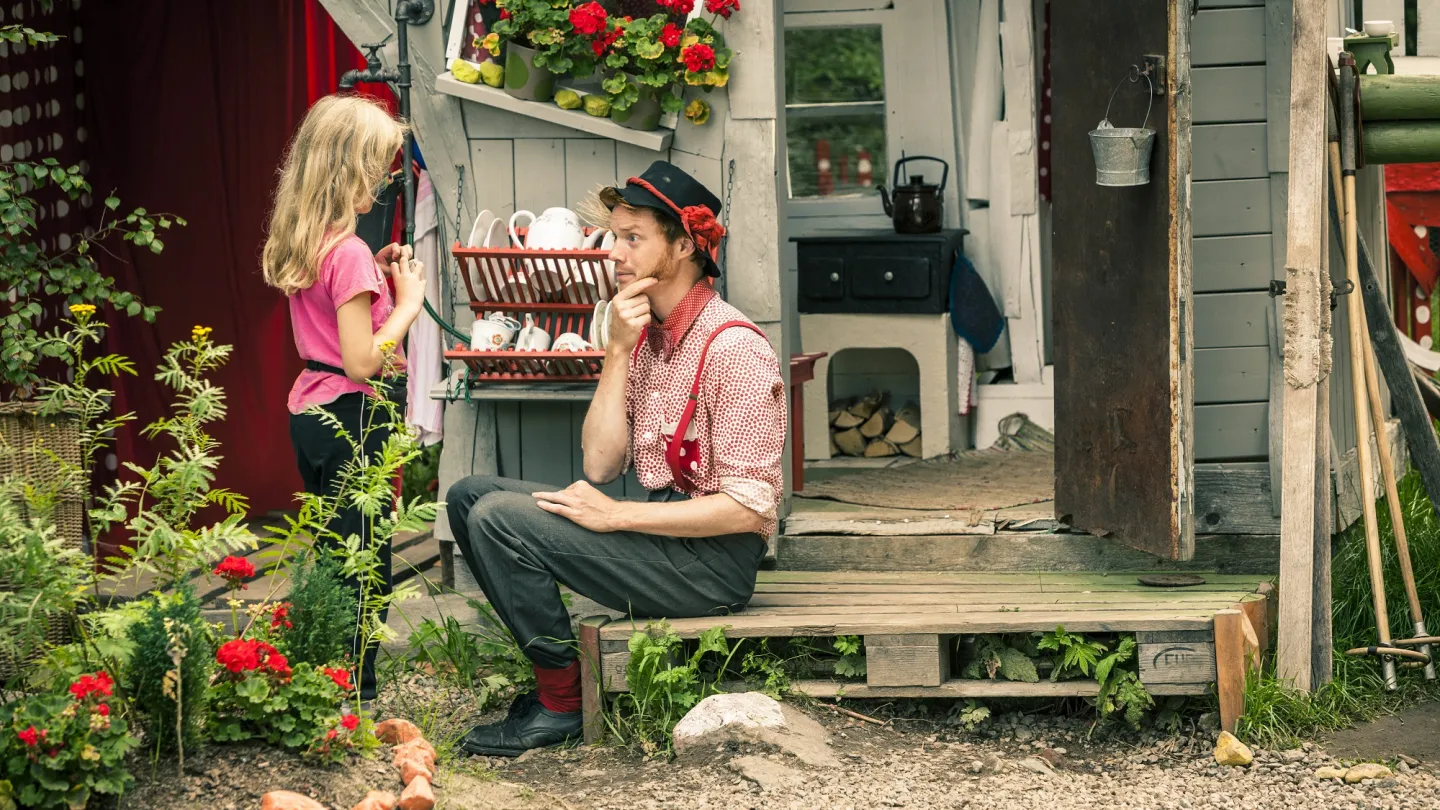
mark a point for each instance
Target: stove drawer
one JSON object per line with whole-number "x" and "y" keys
{"x": 878, "y": 272}
{"x": 884, "y": 277}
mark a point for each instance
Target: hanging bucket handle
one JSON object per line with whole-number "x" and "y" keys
{"x": 1133, "y": 76}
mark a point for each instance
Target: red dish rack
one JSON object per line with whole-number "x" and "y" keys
{"x": 559, "y": 288}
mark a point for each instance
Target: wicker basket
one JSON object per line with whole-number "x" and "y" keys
{"x": 23, "y": 431}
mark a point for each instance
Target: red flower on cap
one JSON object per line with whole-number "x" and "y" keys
{"x": 700, "y": 223}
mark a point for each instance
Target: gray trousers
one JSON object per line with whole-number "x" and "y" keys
{"x": 519, "y": 553}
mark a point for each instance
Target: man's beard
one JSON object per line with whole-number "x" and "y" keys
{"x": 664, "y": 270}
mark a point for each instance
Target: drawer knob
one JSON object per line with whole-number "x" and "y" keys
{"x": 834, "y": 276}
{"x": 889, "y": 276}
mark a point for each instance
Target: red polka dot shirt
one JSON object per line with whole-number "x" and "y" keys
{"x": 736, "y": 439}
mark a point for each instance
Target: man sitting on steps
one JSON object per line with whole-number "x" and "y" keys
{"x": 691, "y": 396}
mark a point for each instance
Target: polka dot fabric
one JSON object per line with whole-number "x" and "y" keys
{"x": 736, "y": 440}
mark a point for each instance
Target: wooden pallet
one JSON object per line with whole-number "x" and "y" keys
{"x": 1190, "y": 639}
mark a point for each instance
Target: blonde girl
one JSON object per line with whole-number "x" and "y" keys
{"x": 341, "y": 310}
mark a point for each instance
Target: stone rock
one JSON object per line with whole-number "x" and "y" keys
{"x": 413, "y": 767}
{"x": 418, "y": 795}
{"x": 396, "y": 730}
{"x": 752, "y": 718}
{"x": 1293, "y": 755}
{"x": 1210, "y": 721}
{"x": 1387, "y": 783}
{"x": 976, "y": 766}
{"x": 993, "y": 763}
{"x": 287, "y": 800}
{"x": 1408, "y": 760}
{"x": 1036, "y": 765}
{"x": 1367, "y": 770}
{"x": 1054, "y": 757}
{"x": 1402, "y": 766}
{"x": 1230, "y": 751}
{"x": 377, "y": 800}
{"x": 1329, "y": 772}
{"x": 527, "y": 755}
{"x": 417, "y": 744}
{"x": 1023, "y": 734}
{"x": 770, "y": 775}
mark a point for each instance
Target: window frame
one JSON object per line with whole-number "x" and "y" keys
{"x": 886, "y": 20}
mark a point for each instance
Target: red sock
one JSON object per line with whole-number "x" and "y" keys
{"x": 559, "y": 688}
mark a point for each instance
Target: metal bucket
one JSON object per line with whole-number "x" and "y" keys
{"x": 1122, "y": 155}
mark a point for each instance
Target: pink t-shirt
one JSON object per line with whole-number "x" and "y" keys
{"x": 348, "y": 270}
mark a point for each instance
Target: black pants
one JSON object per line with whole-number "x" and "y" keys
{"x": 320, "y": 455}
{"x": 519, "y": 553}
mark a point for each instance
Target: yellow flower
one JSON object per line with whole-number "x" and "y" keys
{"x": 200, "y": 333}
{"x": 697, "y": 112}
{"x": 82, "y": 309}
{"x": 387, "y": 346}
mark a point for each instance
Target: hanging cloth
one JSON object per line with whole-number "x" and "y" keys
{"x": 425, "y": 348}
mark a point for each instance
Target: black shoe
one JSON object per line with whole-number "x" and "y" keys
{"x": 531, "y": 725}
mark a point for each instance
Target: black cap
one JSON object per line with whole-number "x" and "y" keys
{"x": 672, "y": 192}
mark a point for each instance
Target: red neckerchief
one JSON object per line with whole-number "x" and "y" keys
{"x": 666, "y": 339}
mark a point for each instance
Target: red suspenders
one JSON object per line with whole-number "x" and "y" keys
{"x": 672, "y": 448}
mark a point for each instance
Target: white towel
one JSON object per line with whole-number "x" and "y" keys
{"x": 965, "y": 375}
{"x": 425, "y": 351}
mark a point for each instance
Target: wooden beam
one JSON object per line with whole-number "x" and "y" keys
{"x": 1392, "y": 97}
{"x": 1402, "y": 142}
{"x": 1307, "y": 356}
{"x": 1230, "y": 666}
{"x": 592, "y": 694}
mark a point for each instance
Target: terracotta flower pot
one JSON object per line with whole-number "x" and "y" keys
{"x": 523, "y": 79}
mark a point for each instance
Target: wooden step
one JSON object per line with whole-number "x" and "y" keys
{"x": 1017, "y": 551}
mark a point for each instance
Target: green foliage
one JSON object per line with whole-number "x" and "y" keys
{"x": 321, "y": 614}
{"x": 1120, "y": 687}
{"x": 1075, "y": 653}
{"x": 545, "y": 26}
{"x": 159, "y": 507}
{"x": 80, "y": 756}
{"x": 33, "y": 275}
{"x": 483, "y": 659}
{"x": 421, "y": 473}
{"x": 148, "y": 678}
{"x": 971, "y": 714}
{"x": 16, "y": 34}
{"x": 1006, "y": 656}
{"x": 852, "y": 656}
{"x": 44, "y": 579}
{"x": 664, "y": 685}
{"x": 296, "y": 713}
{"x": 764, "y": 666}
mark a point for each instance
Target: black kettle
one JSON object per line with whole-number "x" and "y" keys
{"x": 916, "y": 207}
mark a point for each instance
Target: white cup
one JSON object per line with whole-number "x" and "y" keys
{"x": 1379, "y": 28}
{"x": 572, "y": 342}
{"x": 532, "y": 338}
{"x": 489, "y": 336}
{"x": 600, "y": 325}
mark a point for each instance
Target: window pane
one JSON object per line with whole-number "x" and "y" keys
{"x": 826, "y": 65}
{"x": 834, "y": 111}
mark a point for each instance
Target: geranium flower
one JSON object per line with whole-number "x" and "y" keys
{"x": 331, "y": 734}
{"x": 681, "y": 7}
{"x": 722, "y": 7}
{"x": 278, "y": 617}
{"x": 29, "y": 736}
{"x": 588, "y": 19}
{"x": 670, "y": 35}
{"x": 235, "y": 570}
{"x": 698, "y": 58}
{"x": 504, "y": 13}
{"x": 103, "y": 710}
{"x": 99, "y": 683}
{"x": 350, "y": 721}
{"x": 238, "y": 655}
{"x": 341, "y": 677}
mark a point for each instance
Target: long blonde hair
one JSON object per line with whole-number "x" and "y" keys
{"x": 339, "y": 156}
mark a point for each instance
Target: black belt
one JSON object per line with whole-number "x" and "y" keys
{"x": 316, "y": 365}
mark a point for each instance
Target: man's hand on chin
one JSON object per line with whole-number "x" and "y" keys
{"x": 585, "y": 505}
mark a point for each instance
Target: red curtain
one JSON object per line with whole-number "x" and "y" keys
{"x": 191, "y": 106}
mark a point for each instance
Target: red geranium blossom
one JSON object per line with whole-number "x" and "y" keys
{"x": 601, "y": 43}
{"x": 331, "y": 734}
{"x": 504, "y": 13}
{"x": 588, "y": 19}
{"x": 722, "y": 7}
{"x": 350, "y": 721}
{"x": 235, "y": 569}
{"x": 341, "y": 677}
{"x": 698, "y": 58}
{"x": 670, "y": 35}
{"x": 279, "y": 617}
{"x": 240, "y": 655}
{"x": 276, "y": 663}
{"x": 29, "y": 736}
{"x": 99, "y": 683}
{"x": 681, "y": 7}
{"x": 103, "y": 710}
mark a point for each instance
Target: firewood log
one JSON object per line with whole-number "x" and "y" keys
{"x": 912, "y": 448}
{"x": 835, "y": 411}
{"x": 877, "y": 424}
{"x": 850, "y": 442}
{"x": 834, "y": 449}
{"x": 847, "y": 420}
{"x": 879, "y": 448}
{"x": 866, "y": 405}
{"x": 906, "y": 427}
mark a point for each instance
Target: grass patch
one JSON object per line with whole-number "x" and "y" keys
{"x": 1278, "y": 717}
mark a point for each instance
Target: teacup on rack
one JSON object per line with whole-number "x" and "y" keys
{"x": 492, "y": 334}
{"x": 600, "y": 325}
{"x": 532, "y": 338}
{"x": 572, "y": 342}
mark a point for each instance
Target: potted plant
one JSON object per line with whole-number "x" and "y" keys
{"x": 537, "y": 37}
{"x": 657, "y": 58}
